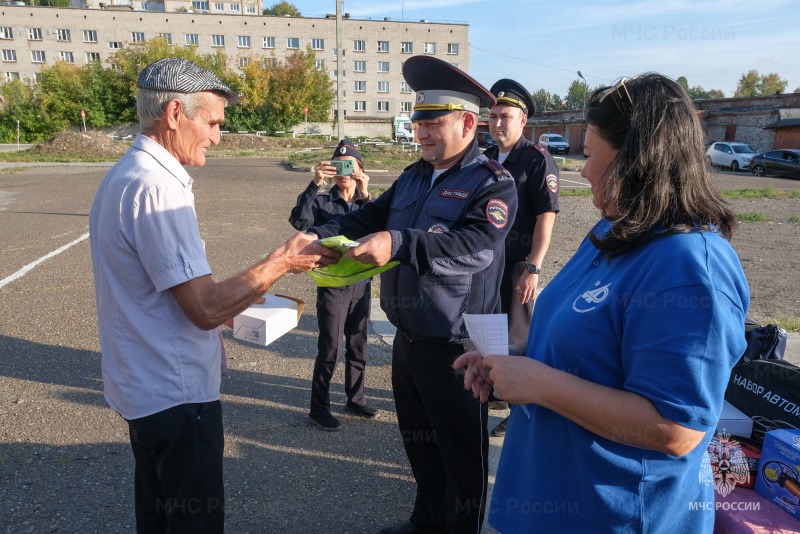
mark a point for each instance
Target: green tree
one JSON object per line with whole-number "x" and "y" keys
{"x": 282, "y": 8}
{"x": 558, "y": 102}
{"x": 748, "y": 84}
{"x": 683, "y": 82}
{"x": 697, "y": 92}
{"x": 544, "y": 100}
{"x": 22, "y": 102}
{"x": 576, "y": 95}
{"x": 771, "y": 83}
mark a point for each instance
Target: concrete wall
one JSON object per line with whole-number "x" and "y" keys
{"x": 351, "y": 128}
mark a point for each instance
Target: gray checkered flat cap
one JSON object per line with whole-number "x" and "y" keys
{"x": 179, "y": 75}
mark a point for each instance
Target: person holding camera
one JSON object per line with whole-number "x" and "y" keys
{"x": 341, "y": 311}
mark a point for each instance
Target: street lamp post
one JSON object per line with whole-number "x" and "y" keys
{"x": 585, "y": 90}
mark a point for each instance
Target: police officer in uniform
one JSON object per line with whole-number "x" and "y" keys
{"x": 445, "y": 220}
{"x": 341, "y": 311}
{"x": 536, "y": 175}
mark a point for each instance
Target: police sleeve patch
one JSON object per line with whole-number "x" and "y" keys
{"x": 497, "y": 212}
{"x": 552, "y": 182}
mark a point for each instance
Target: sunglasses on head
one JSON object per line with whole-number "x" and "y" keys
{"x": 622, "y": 98}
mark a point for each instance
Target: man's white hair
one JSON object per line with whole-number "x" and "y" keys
{"x": 151, "y": 105}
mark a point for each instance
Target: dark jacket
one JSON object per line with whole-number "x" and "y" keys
{"x": 449, "y": 240}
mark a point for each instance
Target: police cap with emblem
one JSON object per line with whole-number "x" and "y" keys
{"x": 442, "y": 88}
{"x": 347, "y": 148}
{"x": 511, "y": 93}
{"x": 179, "y": 75}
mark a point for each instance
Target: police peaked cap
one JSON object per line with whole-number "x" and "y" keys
{"x": 179, "y": 75}
{"x": 511, "y": 93}
{"x": 347, "y": 148}
{"x": 442, "y": 88}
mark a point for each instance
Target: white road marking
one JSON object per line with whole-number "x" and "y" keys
{"x": 22, "y": 272}
{"x": 582, "y": 184}
{"x": 6, "y": 199}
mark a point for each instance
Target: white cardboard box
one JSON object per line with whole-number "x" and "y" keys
{"x": 734, "y": 421}
{"x": 262, "y": 324}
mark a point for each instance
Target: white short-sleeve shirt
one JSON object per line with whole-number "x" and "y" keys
{"x": 145, "y": 239}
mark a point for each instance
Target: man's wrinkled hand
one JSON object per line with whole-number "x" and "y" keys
{"x": 375, "y": 249}
{"x": 301, "y": 254}
{"x": 476, "y": 377}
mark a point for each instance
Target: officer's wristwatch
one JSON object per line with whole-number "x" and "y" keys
{"x": 533, "y": 269}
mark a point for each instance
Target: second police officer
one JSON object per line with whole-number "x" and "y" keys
{"x": 536, "y": 175}
{"x": 445, "y": 220}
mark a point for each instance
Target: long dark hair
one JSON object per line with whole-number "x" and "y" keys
{"x": 659, "y": 183}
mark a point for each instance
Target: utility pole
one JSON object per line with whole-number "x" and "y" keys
{"x": 585, "y": 90}
{"x": 339, "y": 72}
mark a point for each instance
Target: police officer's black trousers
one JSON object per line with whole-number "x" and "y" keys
{"x": 443, "y": 428}
{"x": 519, "y": 315}
{"x": 341, "y": 312}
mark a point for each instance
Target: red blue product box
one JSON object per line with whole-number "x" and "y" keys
{"x": 778, "y": 478}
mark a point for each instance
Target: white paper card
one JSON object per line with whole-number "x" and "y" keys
{"x": 489, "y": 332}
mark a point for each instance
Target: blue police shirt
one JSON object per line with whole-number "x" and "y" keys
{"x": 666, "y": 321}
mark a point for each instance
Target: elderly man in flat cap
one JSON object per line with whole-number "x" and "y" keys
{"x": 536, "y": 175}
{"x": 158, "y": 308}
{"x": 445, "y": 220}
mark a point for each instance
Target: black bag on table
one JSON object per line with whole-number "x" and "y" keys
{"x": 767, "y": 391}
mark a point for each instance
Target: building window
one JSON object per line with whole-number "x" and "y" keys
{"x": 92, "y": 56}
{"x": 10, "y": 56}
{"x": 405, "y": 107}
{"x": 361, "y": 105}
{"x": 383, "y": 66}
{"x": 218, "y": 40}
{"x": 11, "y": 76}
{"x": 244, "y": 41}
{"x": 6, "y": 33}
{"x": 383, "y": 46}
{"x": 407, "y": 48}
{"x": 358, "y": 87}
{"x": 404, "y": 87}
{"x": 269, "y": 62}
{"x": 454, "y": 64}
{"x": 383, "y": 87}
{"x": 37, "y": 56}
{"x": 218, "y": 7}
{"x": 89, "y": 36}
{"x": 383, "y": 106}
{"x": 34, "y": 34}
{"x": 359, "y": 46}
{"x": 192, "y": 39}
{"x": 137, "y": 37}
{"x": 235, "y": 7}
{"x": 115, "y": 45}
{"x": 167, "y": 36}
{"x": 452, "y": 48}
{"x": 293, "y": 43}
{"x": 268, "y": 42}
{"x": 67, "y": 57}
{"x": 336, "y": 73}
{"x": 344, "y": 52}
{"x": 64, "y": 35}
{"x": 320, "y": 64}
{"x": 430, "y": 48}
{"x": 243, "y": 61}
{"x": 200, "y": 5}
{"x": 318, "y": 44}
{"x": 359, "y": 66}
{"x": 251, "y": 9}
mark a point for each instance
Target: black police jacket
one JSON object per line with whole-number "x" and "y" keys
{"x": 449, "y": 239}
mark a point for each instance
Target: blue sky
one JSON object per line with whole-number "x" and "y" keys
{"x": 544, "y": 44}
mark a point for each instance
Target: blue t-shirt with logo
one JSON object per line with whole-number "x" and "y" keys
{"x": 666, "y": 321}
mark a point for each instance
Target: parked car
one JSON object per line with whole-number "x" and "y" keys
{"x": 734, "y": 155}
{"x": 554, "y": 143}
{"x": 784, "y": 162}
{"x": 485, "y": 140}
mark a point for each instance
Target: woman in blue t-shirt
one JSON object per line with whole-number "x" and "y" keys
{"x": 632, "y": 343}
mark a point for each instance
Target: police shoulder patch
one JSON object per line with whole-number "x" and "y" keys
{"x": 541, "y": 149}
{"x": 552, "y": 182}
{"x": 497, "y": 212}
{"x": 498, "y": 169}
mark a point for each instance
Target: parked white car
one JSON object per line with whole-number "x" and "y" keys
{"x": 734, "y": 155}
{"x": 554, "y": 143}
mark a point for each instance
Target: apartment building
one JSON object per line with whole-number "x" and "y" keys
{"x": 371, "y": 59}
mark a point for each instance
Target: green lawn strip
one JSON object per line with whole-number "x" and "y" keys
{"x": 767, "y": 192}
{"x": 790, "y": 324}
{"x": 576, "y": 192}
{"x": 391, "y": 158}
{"x": 752, "y": 217}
